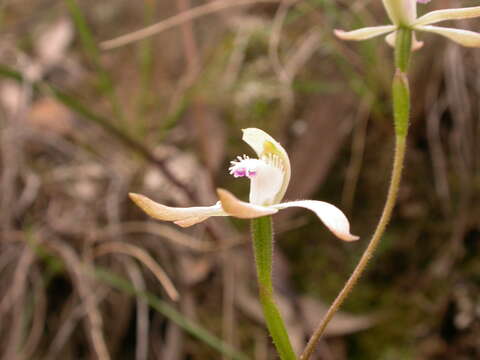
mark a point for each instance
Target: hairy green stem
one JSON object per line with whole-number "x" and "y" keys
{"x": 403, "y": 48}
{"x": 401, "y": 112}
{"x": 369, "y": 251}
{"x": 401, "y": 101}
{"x": 263, "y": 247}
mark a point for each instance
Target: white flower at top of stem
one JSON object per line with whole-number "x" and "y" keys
{"x": 269, "y": 176}
{"x": 403, "y": 13}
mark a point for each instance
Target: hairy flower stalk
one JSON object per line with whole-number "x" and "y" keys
{"x": 401, "y": 111}
{"x": 269, "y": 176}
{"x": 403, "y": 14}
{"x": 262, "y": 236}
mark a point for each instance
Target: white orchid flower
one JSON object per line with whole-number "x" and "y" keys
{"x": 403, "y": 13}
{"x": 269, "y": 176}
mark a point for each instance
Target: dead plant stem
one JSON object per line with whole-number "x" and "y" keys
{"x": 176, "y": 20}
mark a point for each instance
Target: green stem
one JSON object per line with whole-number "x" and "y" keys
{"x": 403, "y": 48}
{"x": 401, "y": 103}
{"x": 369, "y": 251}
{"x": 263, "y": 248}
{"x": 401, "y": 112}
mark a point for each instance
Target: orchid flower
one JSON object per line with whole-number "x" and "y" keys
{"x": 269, "y": 175}
{"x": 403, "y": 13}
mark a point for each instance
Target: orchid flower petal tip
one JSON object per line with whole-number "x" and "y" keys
{"x": 222, "y": 193}
{"x": 190, "y": 221}
{"x": 463, "y": 37}
{"x": 349, "y": 237}
{"x": 333, "y": 218}
{"x": 364, "y": 33}
{"x": 341, "y": 34}
{"x": 137, "y": 198}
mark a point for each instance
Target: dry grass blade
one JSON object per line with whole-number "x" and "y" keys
{"x": 143, "y": 257}
{"x": 439, "y": 161}
{"x": 176, "y": 20}
{"x": 358, "y": 150}
{"x": 39, "y": 316}
{"x": 68, "y": 326}
{"x": 12, "y": 145}
{"x": 141, "y": 349}
{"x": 190, "y": 45}
{"x": 83, "y": 285}
{"x": 171, "y": 313}
{"x": 19, "y": 280}
{"x": 14, "y": 302}
{"x": 237, "y": 57}
{"x": 273, "y": 45}
{"x": 285, "y": 89}
{"x": 166, "y": 232}
{"x": 299, "y": 55}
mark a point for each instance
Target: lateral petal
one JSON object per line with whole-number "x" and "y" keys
{"x": 416, "y": 45}
{"x": 241, "y": 209}
{"x": 333, "y": 218}
{"x": 181, "y": 216}
{"x": 448, "y": 14}
{"x": 364, "y": 33}
{"x": 462, "y": 37}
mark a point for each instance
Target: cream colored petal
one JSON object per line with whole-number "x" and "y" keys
{"x": 392, "y": 8}
{"x": 267, "y": 147}
{"x": 241, "y": 209}
{"x": 448, "y": 14}
{"x": 401, "y": 12}
{"x": 181, "y": 216}
{"x": 462, "y": 37}
{"x": 416, "y": 45}
{"x": 191, "y": 221}
{"x": 390, "y": 39}
{"x": 333, "y": 218}
{"x": 258, "y": 141}
{"x": 364, "y": 33}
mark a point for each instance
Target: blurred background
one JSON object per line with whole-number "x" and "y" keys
{"x": 84, "y": 274}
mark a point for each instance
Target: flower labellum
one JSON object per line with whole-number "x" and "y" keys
{"x": 269, "y": 175}
{"x": 403, "y": 13}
